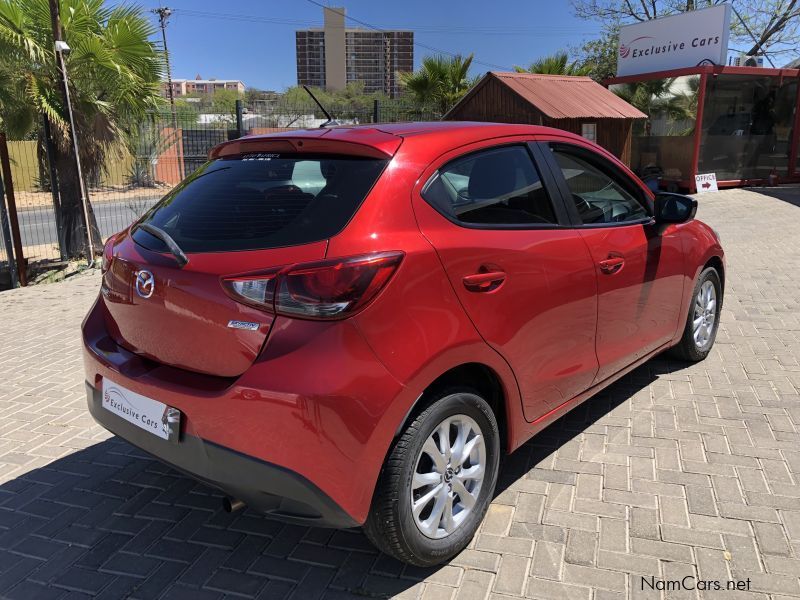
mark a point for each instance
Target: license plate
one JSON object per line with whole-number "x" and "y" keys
{"x": 150, "y": 415}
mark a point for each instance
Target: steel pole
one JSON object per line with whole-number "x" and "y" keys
{"x": 74, "y": 137}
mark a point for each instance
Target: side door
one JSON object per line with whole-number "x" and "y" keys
{"x": 523, "y": 275}
{"x": 639, "y": 266}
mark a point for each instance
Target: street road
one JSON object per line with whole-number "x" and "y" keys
{"x": 38, "y": 225}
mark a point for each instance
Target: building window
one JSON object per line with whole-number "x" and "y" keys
{"x": 589, "y": 131}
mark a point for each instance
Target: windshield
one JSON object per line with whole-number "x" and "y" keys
{"x": 262, "y": 200}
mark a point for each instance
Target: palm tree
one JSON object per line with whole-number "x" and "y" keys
{"x": 115, "y": 74}
{"x": 657, "y": 97}
{"x": 686, "y": 100}
{"x": 440, "y": 82}
{"x": 556, "y": 64}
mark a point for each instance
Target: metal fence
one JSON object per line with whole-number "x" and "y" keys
{"x": 143, "y": 169}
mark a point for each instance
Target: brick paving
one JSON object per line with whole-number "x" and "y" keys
{"x": 676, "y": 470}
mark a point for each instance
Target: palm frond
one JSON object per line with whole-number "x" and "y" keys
{"x": 115, "y": 70}
{"x": 555, "y": 64}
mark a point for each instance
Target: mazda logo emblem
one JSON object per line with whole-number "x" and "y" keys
{"x": 145, "y": 284}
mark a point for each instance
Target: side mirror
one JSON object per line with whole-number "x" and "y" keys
{"x": 674, "y": 208}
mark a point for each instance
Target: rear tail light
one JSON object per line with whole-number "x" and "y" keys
{"x": 255, "y": 290}
{"x": 328, "y": 289}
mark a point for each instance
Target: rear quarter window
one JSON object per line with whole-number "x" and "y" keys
{"x": 261, "y": 201}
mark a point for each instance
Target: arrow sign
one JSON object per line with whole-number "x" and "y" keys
{"x": 705, "y": 182}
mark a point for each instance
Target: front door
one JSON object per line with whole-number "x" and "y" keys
{"x": 639, "y": 267}
{"x": 524, "y": 277}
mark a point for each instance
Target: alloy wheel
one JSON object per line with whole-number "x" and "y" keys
{"x": 705, "y": 315}
{"x": 448, "y": 475}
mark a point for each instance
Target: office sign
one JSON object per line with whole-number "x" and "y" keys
{"x": 705, "y": 182}
{"x": 687, "y": 39}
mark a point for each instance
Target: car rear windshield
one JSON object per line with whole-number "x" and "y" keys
{"x": 259, "y": 201}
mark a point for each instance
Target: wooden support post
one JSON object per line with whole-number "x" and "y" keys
{"x": 792, "y": 171}
{"x": 13, "y": 220}
{"x": 698, "y": 129}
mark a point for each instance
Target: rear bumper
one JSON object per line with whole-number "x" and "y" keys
{"x": 265, "y": 487}
{"x": 301, "y": 435}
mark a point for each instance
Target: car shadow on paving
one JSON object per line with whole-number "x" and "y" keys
{"x": 111, "y": 521}
{"x": 788, "y": 194}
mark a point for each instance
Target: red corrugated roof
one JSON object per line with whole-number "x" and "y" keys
{"x": 565, "y": 97}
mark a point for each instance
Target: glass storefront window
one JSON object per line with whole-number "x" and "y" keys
{"x": 747, "y": 126}
{"x": 662, "y": 145}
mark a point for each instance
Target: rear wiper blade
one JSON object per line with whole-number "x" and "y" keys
{"x": 180, "y": 257}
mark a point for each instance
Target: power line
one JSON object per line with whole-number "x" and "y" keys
{"x": 188, "y": 12}
{"x": 432, "y": 48}
{"x": 437, "y": 29}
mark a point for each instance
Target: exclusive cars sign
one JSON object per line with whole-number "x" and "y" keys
{"x": 683, "y": 40}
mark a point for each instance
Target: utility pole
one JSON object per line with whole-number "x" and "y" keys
{"x": 61, "y": 47}
{"x": 164, "y": 14}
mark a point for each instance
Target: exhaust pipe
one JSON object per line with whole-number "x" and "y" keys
{"x": 232, "y": 505}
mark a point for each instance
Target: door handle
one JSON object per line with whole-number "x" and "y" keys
{"x": 611, "y": 265}
{"x": 484, "y": 282}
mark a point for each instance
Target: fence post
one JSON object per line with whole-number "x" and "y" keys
{"x": 376, "y": 111}
{"x": 5, "y": 163}
{"x": 6, "y": 233}
{"x": 239, "y": 118}
{"x": 48, "y": 145}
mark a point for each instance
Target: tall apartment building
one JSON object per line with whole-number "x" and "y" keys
{"x": 334, "y": 55}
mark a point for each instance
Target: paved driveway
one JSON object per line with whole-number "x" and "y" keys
{"x": 673, "y": 471}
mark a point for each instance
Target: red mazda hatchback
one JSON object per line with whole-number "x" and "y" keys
{"x": 347, "y": 327}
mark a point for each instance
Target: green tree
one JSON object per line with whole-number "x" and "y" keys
{"x": 352, "y": 96}
{"x": 440, "y": 82}
{"x": 599, "y": 55}
{"x": 556, "y": 64}
{"x": 115, "y": 74}
{"x": 187, "y": 113}
{"x": 223, "y": 102}
{"x": 253, "y": 96}
{"x": 350, "y": 103}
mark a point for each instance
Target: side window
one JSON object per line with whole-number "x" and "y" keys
{"x": 598, "y": 198}
{"x": 493, "y": 187}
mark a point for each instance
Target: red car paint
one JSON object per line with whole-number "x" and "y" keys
{"x": 324, "y": 399}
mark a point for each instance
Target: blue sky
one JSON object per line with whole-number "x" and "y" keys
{"x": 254, "y": 40}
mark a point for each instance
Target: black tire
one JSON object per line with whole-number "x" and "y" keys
{"x": 390, "y": 525}
{"x": 687, "y": 349}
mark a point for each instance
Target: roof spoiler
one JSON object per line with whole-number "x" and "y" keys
{"x": 305, "y": 145}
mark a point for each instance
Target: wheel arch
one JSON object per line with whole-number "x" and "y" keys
{"x": 477, "y": 375}
{"x": 719, "y": 265}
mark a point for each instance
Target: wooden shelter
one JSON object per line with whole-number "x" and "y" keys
{"x": 576, "y": 104}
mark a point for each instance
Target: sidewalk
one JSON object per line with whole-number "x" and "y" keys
{"x": 676, "y": 470}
